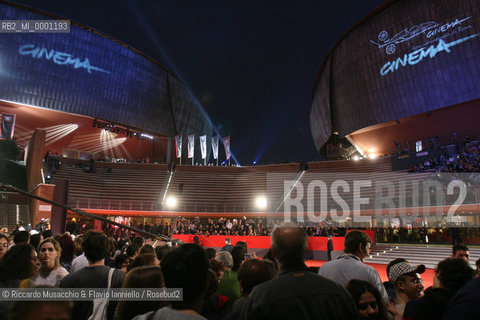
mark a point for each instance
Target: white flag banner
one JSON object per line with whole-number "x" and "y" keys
{"x": 226, "y": 144}
{"x": 215, "y": 147}
{"x": 203, "y": 146}
{"x": 178, "y": 145}
{"x": 191, "y": 145}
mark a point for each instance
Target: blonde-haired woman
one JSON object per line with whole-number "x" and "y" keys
{"x": 51, "y": 272}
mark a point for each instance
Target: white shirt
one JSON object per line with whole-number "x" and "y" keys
{"x": 53, "y": 279}
{"x": 347, "y": 267}
{"x": 79, "y": 263}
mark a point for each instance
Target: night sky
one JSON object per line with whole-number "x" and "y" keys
{"x": 251, "y": 64}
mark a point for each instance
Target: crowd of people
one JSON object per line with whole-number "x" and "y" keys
{"x": 226, "y": 283}
{"x": 222, "y": 226}
{"x": 465, "y": 158}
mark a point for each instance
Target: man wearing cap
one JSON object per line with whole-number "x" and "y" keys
{"x": 407, "y": 282}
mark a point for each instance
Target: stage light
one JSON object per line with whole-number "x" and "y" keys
{"x": 255, "y": 162}
{"x": 171, "y": 202}
{"x": 55, "y": 133}
{"x": 356, "y": 158}
{"x": 146, "y": 136}
{"x": 372, "y": 156}
{"x": 261, "y": 202}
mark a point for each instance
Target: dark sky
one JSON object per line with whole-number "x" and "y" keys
{"x": 251, "y": 64}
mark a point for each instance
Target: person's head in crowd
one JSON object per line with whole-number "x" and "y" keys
{"x": 461, "y": 252}
{"x": 217, "y": 267}
{"x": 226, "y": 258}
{"x": 187, "y": 267}
{"x": 210, "y": 253}
{"x": 132, "y": 251}
{"x": 357, "y": 243}
{"x": 394, "y": 262}
{"x": 95, "y": 246}
{"x": 228, "y": 245}
{"x": 289, "y": 246}
{"x": 253, "y": 272}
{"x": 21, "y": 237}
{"x": 35, "y": 240}
{"x": 78, "y": 245}
{"x": 49, "y": 253}
{"x": 121, "y": 261}
{"x": 20, "y": 225}
{"x": 139, "y": 241}
{"x": 161, "y": 251}
{"x": 452, "y": 274}
{"x": 4, "y": 242}
{"x": 40, "y": 310}
{"x": 367, "y": 299}
{"x": 238, "y": 255}
{"x": 268, "y": 256}
{"x": 212, "y": 286}
{"x": 18, "y": 263}
{"x": 242, "y": 244}
{"x": 196, "y": 240}
{"x": 143, "y": 260}
{"x": 407, "y": 281}
{"x": 47, "y": 234}
{"x": 112, "y": 247}
{"x": 147, "y": 249}
{"x": 121, "y": 243}
{"x": 68, "y": 248}
{"x": 389, "y": 287}
{"x": 141, "y": 277}
{"x": 271, "y": 265}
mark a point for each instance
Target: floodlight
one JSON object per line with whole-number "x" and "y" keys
{"x": 261, "y": 202}
{"x": 171, "y": 202}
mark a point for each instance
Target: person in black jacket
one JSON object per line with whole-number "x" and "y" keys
{"x": 451, "y": 275}
{"x": 296, "y": 293}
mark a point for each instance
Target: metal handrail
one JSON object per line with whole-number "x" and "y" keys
{"x": 84, "y": 213}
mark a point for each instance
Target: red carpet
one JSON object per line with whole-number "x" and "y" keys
{"x": 427, "y": 276}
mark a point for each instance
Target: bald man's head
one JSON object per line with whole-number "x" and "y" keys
{"x": 289, "y": 244}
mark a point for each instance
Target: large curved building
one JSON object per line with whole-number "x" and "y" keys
{"x": 76, "y": 84}
{"x": 408, "y": 71}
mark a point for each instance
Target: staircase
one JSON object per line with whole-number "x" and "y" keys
{"x": 429, "y": 255}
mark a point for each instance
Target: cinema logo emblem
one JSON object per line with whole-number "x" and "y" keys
{"x": 429, "y": 29}
{"x": 352, "y": 199}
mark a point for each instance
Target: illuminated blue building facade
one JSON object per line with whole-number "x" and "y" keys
{"x": 88, "y": 73}
{"x": 405, "y": 58}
